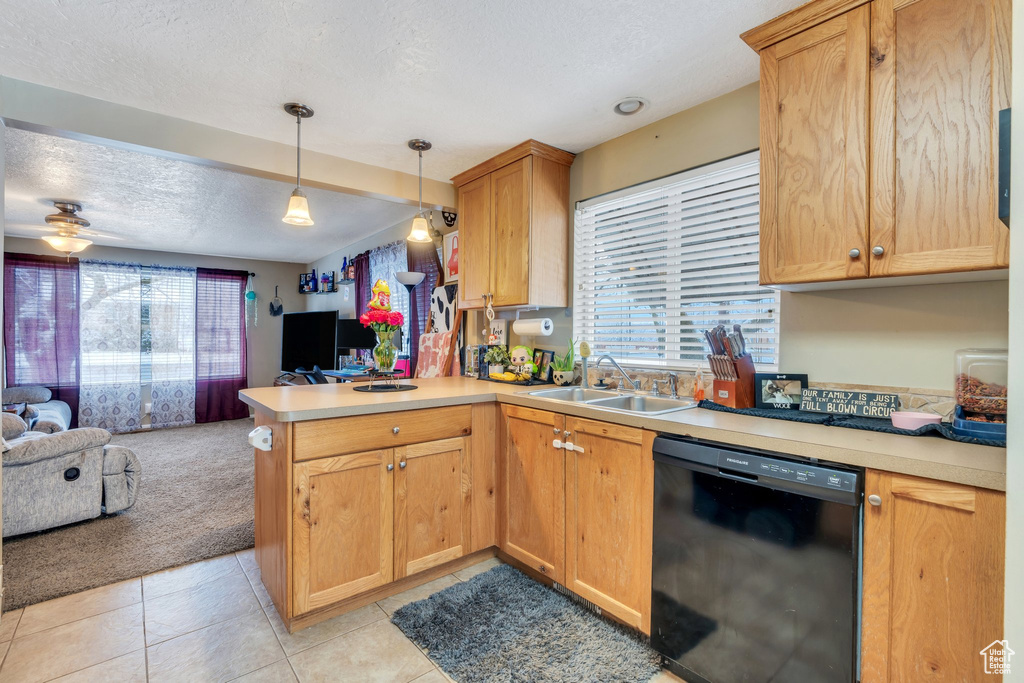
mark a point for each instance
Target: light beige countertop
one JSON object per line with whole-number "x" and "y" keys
{"x": 924, "y": 456}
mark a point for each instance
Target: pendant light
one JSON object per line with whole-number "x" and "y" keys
{"x": 298, "y": 206}
{"x": 420, "y": 231}
{"x": 67, "y": 223}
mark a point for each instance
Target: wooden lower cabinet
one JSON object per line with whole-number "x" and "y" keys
{"x": 609, "y": 494}
{"x": 933, "y": 579}
{"x": 533, "y": 514}
{"x": 343, "y": 526}
{"x": 432, "y": 516}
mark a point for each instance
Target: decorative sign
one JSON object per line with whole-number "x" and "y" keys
{"x": 859, "y": 403}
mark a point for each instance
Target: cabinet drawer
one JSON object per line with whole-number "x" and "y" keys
{"x": 340, "y": 435}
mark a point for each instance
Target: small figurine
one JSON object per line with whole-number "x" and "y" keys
{"x": 522, "y": 362}
{"x": 381, "y": 300}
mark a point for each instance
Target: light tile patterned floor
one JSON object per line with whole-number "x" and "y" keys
{"x": 211, "y": 621}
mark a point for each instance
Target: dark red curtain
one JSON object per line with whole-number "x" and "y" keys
{"x": 41, "y": 325}
{"x": 362, "y": 284}
{"x": 220, "y": 344}
{"x": 422, "y": 258}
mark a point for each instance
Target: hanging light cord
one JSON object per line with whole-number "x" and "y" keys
{"x": 298, "y": 150}
{"x": 421, "y": 182}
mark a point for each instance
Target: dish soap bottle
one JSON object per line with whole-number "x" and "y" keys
{"x": 698, "y": 385}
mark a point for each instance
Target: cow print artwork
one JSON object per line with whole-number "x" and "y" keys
{"x": 443, "y": 308}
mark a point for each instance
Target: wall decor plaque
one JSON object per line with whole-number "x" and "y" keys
{"x": 859, "y": 403}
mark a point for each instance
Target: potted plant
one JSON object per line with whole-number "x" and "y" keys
{"x": 497, "y": 360}
{"x": 564, "y": 367}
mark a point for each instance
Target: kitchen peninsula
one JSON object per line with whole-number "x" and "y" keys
{"x": 365, "y": 495}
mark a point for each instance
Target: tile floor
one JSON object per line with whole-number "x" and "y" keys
{"x": 210, "y": 621}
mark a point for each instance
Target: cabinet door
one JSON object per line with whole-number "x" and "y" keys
{"x": 510, "y": 236}
{"x": 432, "y": 517}
{"x": 342, "y": 527}
{"x": 940, "y": 75}
{"x": 475, "y": 242}
{"x": 814, "y": 143}
{"x": 609, "y": 501}
{"x": 933, "y": 579}
{"x": 533, "y": 524}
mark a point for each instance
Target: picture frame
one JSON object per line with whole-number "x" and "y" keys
{"x": 779, "y": 391}
{"x": 327, "y": 281}
{"x": 498, "y": 335}
{"x": 544, "y": 367}
{"x": 538, "y": 360}
{"x": 471, "y": 367}
{"x": 307, "y": 283}
{"x": 451, "y": 257}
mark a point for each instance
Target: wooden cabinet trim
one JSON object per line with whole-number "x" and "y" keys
{"x": 528, "y": 148}
{"x": 579, "y": 425}
{"x": 338, "y": 436}
{"x": 934, "y": 492}
{"x": 484, "y": 453}
{"x": 796, "y": 21}
{"x": 811, "y": 37}
{"x": 273, "y": 512}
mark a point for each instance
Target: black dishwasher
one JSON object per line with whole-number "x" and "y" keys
{"x": 756, "y": 565}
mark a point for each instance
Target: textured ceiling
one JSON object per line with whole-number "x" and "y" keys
{"x": 142, "y": 201}
{"x": 472, "y": 76}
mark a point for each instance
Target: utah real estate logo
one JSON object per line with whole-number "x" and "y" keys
{"x": 997, "y": 657}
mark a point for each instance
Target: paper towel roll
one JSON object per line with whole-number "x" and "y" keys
{"x": 534, "y": 327}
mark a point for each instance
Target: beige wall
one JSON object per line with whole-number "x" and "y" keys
{"x": 263, "y": 339}
{"x": 899, "y": 336}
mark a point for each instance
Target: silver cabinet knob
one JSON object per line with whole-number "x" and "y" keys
{"x": 567, "y": 433}
{"x": 557, "y": 430}
{"x": 394, "y": 430}
{"x": 875, "y": 500}
{"x": 878, "y": 251}
{"x": 401, "y": 465}
{"x": 854, "y": 253}
{"x": 390, "y": 467}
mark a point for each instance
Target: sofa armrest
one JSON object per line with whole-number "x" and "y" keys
{"x": 53, "y": 416}
{"x": 35, "y": 446}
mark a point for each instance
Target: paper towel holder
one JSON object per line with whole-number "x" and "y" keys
{"x": 527, "y": 308}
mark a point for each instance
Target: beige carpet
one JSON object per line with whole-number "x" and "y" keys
{"x": 195, "y": 502}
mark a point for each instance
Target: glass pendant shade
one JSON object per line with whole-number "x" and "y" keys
{"x": 420, "y": 231}
{"x": 298, "y": 209}
{"x": 65, "y": 244}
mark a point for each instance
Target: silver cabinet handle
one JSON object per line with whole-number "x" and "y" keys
{"x": 394, "y": 430}
{"x": 390, "y": 467}
{"x": 854, "y": 253}
{"x": 875, "y": 500}
{"x": 878, "y": 251}
{"x": 567, "y": 433}
{"x": 401, "y": 465}
{"x": 557, "y": 430}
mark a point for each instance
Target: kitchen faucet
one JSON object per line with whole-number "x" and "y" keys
{"x": 632, "y": 385}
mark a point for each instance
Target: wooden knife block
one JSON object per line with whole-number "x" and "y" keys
{"x": 738, "y": 393}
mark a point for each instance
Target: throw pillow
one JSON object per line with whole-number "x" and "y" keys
{"x": 13, "y": 426}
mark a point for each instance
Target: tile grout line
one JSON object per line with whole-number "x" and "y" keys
{"x": 145, "y": 647}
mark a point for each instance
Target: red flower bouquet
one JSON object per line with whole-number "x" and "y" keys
{"x": 385, "y": 323}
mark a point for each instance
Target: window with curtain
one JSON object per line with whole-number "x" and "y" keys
{"x": 385, "y": 261}
{"x": 169, "y": 343}
{"x": 220, "y": 344}
{"x": 41, "y": 325}
{"x": 659, "y": 263}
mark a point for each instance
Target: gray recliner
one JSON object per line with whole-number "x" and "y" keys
{"x": 54, "y": 479}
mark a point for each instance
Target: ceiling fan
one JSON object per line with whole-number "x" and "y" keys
{"x": 68, "y": 225}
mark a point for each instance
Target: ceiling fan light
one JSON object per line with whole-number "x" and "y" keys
{"x": 66, "y": 245}
{"x": 420, "y": 231}
{"x": 298, "y": 209}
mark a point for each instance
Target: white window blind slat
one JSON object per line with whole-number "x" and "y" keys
{"x": 657, "y": 264}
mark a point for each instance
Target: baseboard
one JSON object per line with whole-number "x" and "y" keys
{"x": 356, "y": 601}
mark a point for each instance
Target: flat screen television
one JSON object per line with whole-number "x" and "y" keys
{"x": 352, "y": 336}
{"x": 309, "y": 339}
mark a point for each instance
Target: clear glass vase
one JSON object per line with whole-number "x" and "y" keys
{"x": 385, "y": 355}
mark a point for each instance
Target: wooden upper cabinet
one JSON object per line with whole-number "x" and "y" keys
{"x": 533, "y": 514}
{"x": 933, "y": 579}
{"x": 432, "y": 515}
{"x": 514, "y": 228}
{"x": 475, "y": 242}
{"x": 814, "y": 138}
{"x": 879, "y": 138}
{"x": 940, "y": 76}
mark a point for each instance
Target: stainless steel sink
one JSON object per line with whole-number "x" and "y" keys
{"x": 574, "y": 394}
{"x": 646, "y": 405}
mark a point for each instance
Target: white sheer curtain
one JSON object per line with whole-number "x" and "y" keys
{"x": 110, "y": 339}
{"x": 169, "y": 337}
{"x": 385, "y": 261}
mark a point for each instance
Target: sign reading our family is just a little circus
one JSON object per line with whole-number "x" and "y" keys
{"x": 860, "y": 403}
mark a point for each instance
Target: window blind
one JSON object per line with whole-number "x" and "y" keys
{"x": 658, "y": 264}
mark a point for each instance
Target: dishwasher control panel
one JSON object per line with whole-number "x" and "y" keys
{"x": 788, "y": 471}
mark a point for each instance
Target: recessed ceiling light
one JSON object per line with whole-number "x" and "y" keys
{"x": 628, "y": 106}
